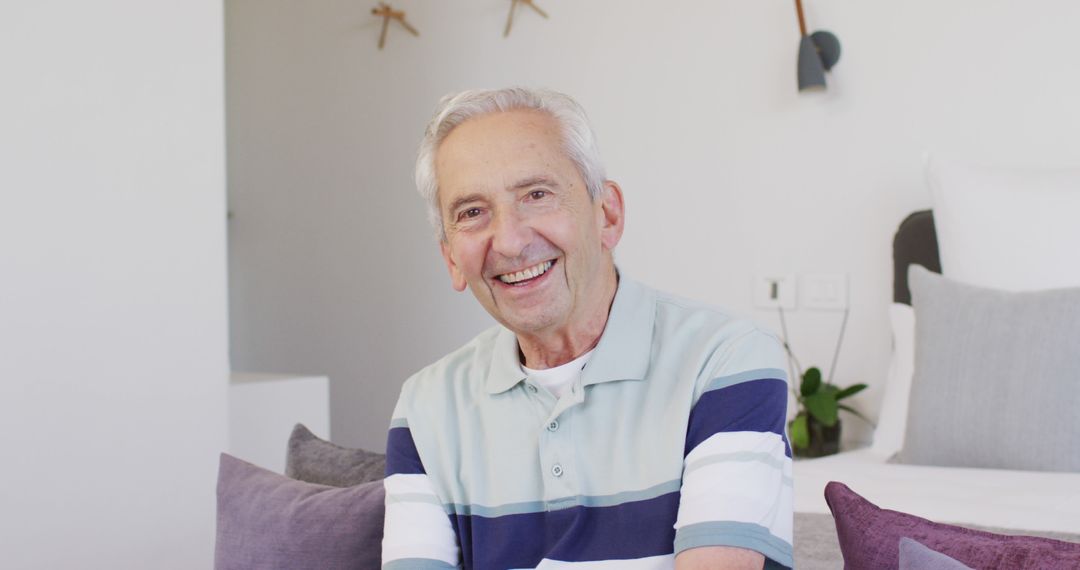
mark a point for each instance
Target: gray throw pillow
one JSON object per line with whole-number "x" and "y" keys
{"x": 997, "y": 377}
{"x": 316, "y": 460}
{"x": 915, "y": 556}
{"x": 268, "y": 521}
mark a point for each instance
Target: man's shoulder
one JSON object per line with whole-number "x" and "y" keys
{"x": 720, "y": 340}
{"x": 468, "y": 363}
{"x": 720, "y": 323}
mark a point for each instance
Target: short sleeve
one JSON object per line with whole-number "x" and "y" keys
{"x": 417, "y": 533}
{"x": 737, "y": 486}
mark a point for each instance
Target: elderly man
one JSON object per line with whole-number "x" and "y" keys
{"x": 601, "y": 424}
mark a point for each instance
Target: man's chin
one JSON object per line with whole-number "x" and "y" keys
{"x": 531, "y": 315}
{"x": 527, "y": 322}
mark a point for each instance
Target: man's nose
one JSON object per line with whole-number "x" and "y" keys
{"x": 510, "y": 235}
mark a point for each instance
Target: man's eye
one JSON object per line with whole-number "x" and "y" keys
{"x": 538, "y": 194}
{"x": 469, "y": 213}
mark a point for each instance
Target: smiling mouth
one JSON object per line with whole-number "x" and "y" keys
{"x": 526, "y": 275}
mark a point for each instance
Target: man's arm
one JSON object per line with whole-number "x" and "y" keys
{"x": 736, "y": 499}
{"x": 417, "y": 533}
{"x": 715, "y": 557}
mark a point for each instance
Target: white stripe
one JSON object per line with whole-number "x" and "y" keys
{"x": 662, "y": 562}
{"x": 416, "y": 526}
{"x": 409, "y": 484}
{"x": 739, "y": 477}
{"x": 736, "y": 441}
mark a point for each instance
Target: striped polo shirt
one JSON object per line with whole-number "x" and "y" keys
{"x": 672, "y": 438}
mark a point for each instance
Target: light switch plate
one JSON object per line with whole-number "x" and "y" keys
{"x": 825, "y": 291}
{"x": 774, "y": 291}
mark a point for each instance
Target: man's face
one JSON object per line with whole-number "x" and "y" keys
{"x": 521, "y": 230}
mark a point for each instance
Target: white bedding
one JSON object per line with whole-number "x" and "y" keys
{"x": 1021, "y": 500}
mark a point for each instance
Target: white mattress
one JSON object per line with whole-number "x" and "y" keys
{"x": 1021, "y": 500}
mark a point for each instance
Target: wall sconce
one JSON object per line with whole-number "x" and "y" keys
{"x": 818, "y": 53}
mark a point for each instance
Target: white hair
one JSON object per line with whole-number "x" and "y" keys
{"x": 579, "y": 142}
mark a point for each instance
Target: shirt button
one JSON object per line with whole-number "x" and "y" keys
{"x": 554, "y": 425}
{"x": 532, "y": 388}
{"x": 556, "y": 470}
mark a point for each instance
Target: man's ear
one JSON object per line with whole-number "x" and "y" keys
{"x": 612, "y": 215}
{"x": 457, "y": 278}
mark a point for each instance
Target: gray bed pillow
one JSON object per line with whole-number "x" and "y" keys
{"x": 271, "y": 522}
{"x": 997, "y": 377}
{"x": 315, "y": 460}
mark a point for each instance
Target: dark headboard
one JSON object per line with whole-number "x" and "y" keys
{"x": 915, "y": 242}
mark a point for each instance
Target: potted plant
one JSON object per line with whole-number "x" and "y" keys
{"x": 815, "y": 431}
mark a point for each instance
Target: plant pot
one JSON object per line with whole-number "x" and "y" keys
{"x": 824, "y": 440}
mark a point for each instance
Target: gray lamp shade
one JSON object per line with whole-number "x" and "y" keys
{"x": 811, "y": 70}
{"x": 828, "y": 47}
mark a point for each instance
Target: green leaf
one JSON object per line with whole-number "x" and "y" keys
{"x": 851, "y": 410}
{"x": 823, "y": 407}
{"x": 850, "y": 391}
{"x": 811, "y": 381}
{"x": 799, "y": 432}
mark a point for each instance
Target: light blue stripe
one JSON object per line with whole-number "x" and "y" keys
{"x": 498, "y": 511}
{"x": 399, "y": 422}
{"x": 742, "y": 457}
{"x": 740, "y": 534}
{"x": 631, "y": 496}
{"x": 417, "y": 564}
{"x": 565, "y": 502}
{"x": 738, "y": 457}
{"x": 747, "y": 376}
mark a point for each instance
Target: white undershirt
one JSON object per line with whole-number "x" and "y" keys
{"x": 558, "y": 380}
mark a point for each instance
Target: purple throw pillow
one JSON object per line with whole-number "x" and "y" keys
{"x": 870, "y": 538}
{"x": 268, "y": 521}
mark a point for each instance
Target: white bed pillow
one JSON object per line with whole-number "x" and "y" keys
{"x": 892, "y": 419}
{"x": 1010, "y": 229}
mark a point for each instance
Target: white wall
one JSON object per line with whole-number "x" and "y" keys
{"x": 728, "y": 172}
{"x": 113, "y": 332}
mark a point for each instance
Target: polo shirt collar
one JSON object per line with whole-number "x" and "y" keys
{"x": 626, "y": 345}
{"x": 505, "y": 371}
{"x": 622, "y": 353}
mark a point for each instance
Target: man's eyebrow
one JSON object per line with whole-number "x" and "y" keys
{"x": 535, "y": 181}
{"x": 462, "y": 200}
{"x": 526, "y": 182}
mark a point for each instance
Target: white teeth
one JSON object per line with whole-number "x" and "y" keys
{"x": 534, "y": 271}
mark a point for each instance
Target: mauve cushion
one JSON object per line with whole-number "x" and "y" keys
{"x": 870, "y": 538}
{"x": 316, "y": 460}
{"x": 915, "y": 556}
{"x": 268, "y": 521}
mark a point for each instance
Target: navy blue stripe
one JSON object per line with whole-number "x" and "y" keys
{"x": 401, "y": 455}
{"x": 637, "y": 529}
{"x": 756, "y": 405}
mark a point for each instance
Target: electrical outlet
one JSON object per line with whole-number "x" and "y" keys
{"x": 825, "y": 291}
{"x": 774, "y": 291}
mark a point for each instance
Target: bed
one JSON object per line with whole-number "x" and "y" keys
{"x": 1007, "y": 501}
